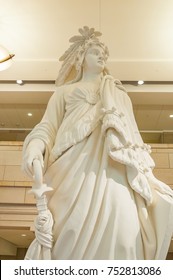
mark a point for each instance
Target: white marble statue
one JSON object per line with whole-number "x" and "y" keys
{"x": 106, "y": 202}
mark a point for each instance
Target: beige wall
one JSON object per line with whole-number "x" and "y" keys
{"x": 14, "y": 184}
{"x": 163, "y": 157}
{"x": 17, "y": 207}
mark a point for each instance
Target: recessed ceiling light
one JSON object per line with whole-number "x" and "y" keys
{"x": 20, "y": 82}
{"x": 140, "y": 82}
{"x": 23, "y": 235}
{"x": 29, "y": 114}
{"x": 171, "y": 116}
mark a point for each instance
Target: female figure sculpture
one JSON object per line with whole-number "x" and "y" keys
{"x": 106, "y": 202}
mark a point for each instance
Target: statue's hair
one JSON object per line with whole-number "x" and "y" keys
{"x": 71, "y": 69}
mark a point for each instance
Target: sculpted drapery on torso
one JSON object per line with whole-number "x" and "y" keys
{"x": 106, "y": 201}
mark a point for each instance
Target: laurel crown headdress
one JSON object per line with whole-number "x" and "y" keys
{"x": 73, "y": 56}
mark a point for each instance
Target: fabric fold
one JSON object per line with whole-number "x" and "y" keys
{"x": 41, "y": 246}
{"x": 124, "y": 144}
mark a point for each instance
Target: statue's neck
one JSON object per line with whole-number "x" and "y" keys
{"x": 92, "y": 77}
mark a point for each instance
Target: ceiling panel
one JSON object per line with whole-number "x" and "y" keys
{"x": 16, "y": 116}
{"x": 20, "y": 238}
{"x": 30, "y": 121}
{"x": 138, "y": 29}
{"x": 147, "y": 116}
{"x": 164, "y": 121}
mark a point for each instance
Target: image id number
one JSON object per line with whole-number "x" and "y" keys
{"x": 133, "y": 270}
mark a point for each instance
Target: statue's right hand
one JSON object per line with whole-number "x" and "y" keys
{"x": 30, "y": 155}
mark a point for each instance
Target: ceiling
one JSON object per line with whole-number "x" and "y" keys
{"x": 140, "y": 41}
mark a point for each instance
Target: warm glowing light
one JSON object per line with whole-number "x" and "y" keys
{"x": 29, "y": 114}
{"x": 5, "y": 58}
{"x": 19, "y": 82}
{"x": 140, "y": 82}
{"x": 171, "y": 116}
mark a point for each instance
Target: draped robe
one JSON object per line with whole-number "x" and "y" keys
{"x": 106, "y": 202}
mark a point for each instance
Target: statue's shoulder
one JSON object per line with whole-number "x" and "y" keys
{"x": 65, "y": 88}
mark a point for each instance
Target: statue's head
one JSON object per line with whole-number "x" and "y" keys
{"x": 73, "y": 58}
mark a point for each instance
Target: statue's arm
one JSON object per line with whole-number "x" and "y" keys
{"x": 42, "y": 137}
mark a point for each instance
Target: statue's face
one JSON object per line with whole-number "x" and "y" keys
{"x": 95, "y": 59}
